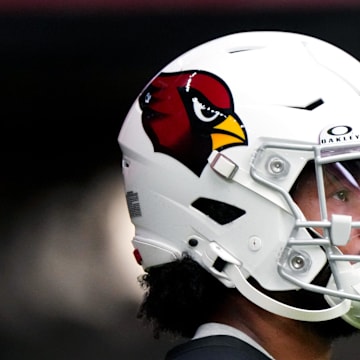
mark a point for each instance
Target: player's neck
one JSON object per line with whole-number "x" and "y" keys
{"x": 287, "y": 339}
{"x": 282, "y": 338}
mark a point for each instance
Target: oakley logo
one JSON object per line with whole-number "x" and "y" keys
{"x": 338, "y": 134}
{"x": 339, "y": 130}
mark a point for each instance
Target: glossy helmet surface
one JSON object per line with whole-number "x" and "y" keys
{"x": 213, "y": 146}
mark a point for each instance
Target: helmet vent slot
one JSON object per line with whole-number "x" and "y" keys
{"x": 218, "y": 211}
{"x": 312, "y": 106}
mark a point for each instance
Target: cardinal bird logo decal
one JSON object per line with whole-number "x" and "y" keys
{"x": 189, "y": 114}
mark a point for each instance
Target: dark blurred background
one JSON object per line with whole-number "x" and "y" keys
{"x": 69, "y": 71}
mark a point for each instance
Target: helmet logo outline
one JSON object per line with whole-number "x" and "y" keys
{"x": 189, "y": 114}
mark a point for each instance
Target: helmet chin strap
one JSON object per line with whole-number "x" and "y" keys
{"x": 267, "y": 303}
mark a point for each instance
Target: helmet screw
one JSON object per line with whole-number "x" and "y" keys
{"x": 297, "y": 262}
{"x": 276, "y": 166}
{"x": 193, "y": 242}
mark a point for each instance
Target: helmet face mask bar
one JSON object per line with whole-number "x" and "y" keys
{"x": 215, "y": 150}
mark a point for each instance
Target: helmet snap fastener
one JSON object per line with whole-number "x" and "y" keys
{"x": 254, "y": 243}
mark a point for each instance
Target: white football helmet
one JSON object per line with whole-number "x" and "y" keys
{"x": 213, "y": 147}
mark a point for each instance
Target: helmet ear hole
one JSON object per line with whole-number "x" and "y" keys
{"x": 218, "y": 211}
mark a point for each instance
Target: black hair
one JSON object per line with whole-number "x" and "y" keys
{"x": 179, "y": 297}
{"x": 182, "y": 295}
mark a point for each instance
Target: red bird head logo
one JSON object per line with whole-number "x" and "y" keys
{"x": 188, "y": 114}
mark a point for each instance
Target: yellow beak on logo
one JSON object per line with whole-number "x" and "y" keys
{"x": 228, "y": 132}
